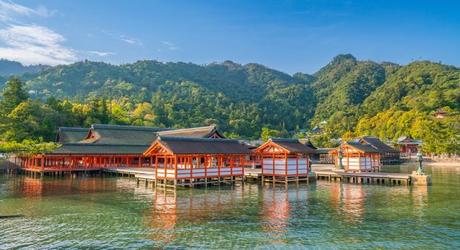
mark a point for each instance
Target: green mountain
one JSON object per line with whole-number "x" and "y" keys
{"x": 8, "y": 68}
{"x": 346, "y": 97}
{"x": 244, "y": 82}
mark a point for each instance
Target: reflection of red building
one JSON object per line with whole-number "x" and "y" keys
{"x": 275, "y": 214}
{"x": 354, "y": 199}
{"x": 172, "y": 210}
{"x": 349, "y": 200}
{"x": 164, "y": 216}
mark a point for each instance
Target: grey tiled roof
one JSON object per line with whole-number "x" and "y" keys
{"x": 118, "y": 134}
{"x": 187, "y": 145}
{"x": 71, "y": 134}
{"x": 363, "y": 147}
{"x": 198, "y": 132}
{"x": 81, "y": 148}
{"x": 293, "y": 145}
{"x": 378, "y": 144}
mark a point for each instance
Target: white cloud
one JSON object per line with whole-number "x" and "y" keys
{"x": 9, "y": 10}
{"x": 101, "y": 53}
{"x": 33, "y": 44}
{"x": 130, "y": 40}
{"x": 122, "y": 37}
{"x": 170, "y": 45}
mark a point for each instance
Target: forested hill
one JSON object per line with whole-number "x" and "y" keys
{"x": 347, "y": 97}
{"x": 8, "y": 68}
{"x": 142, "y": 78}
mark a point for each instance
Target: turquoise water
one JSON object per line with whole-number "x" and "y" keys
{"x": 110, "y": 212}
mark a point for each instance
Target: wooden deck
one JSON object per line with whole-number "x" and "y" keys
{"x": 147, "y": 175}
{"x": 365, "y": 178}
{"x": 320, "y": 172}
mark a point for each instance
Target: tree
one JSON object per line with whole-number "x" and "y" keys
{"x": 269, "y": 133}
{"x": 13, "y": 94}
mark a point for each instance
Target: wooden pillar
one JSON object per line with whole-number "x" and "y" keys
{"x": 175, "y": 169}
{"x": 232, "y": 162}
{"x": 156, "y": 167}
{"x": 262, "y": 165}
{"x": 219, "y": 165}
{"x": 207, "y": 161}
{"x": 285, "y": 164}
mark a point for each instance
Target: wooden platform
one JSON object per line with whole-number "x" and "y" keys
{"x": 252, "y": 173}
{"x": 365, "y": 178}
{"x": 147, "y": 175}
{"x": 324, "y": 172}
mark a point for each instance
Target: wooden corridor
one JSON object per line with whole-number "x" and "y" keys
{"x": 365, "y": 177}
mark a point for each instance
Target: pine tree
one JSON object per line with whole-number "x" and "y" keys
{"x": 13, "y": 94}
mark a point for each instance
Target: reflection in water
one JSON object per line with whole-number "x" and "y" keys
{"x": 354, "y": 199}
{"x": 349, "y": 200}
{"x": 279, "y": 207}
{"x": 25, "y": 186}
{"x": 114, "y": 212}
{"x": 275, "y": 214}
{"x": 420, "y": 200}
{"x": 171, "y": 208}
{"x": 164, "y": 216}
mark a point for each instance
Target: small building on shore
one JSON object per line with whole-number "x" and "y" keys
{"x": 191, "y": 161}
{"x": 356, "y": 157}
{"x": 408, "y": 146}
{"x": 284, "y": 159}
{"x": 388, "y": 154}
{"x": 323, "y": 156}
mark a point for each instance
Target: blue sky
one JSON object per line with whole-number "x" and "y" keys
{"x": 292, "y": 36}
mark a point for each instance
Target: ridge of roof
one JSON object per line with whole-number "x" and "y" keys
{"x": 126, "y": 127}
{"x": 194, "y": 128}
{"x": 72, "y": 129}
{"x": 181, "y": 130}
{"x": 284, "y": 140}
{"x": 193, "y": 139}
{"x": 204, "y": 131}
{"x": 101, "y": 144}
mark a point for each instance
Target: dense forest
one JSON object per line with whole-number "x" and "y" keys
{"x": 344, "y": 99}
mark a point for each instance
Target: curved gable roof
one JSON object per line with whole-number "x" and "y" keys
{"x": 198, "y": 132}
{"x": 71, "y": 134}
{"x": 290, "y": 145}
{"x": 188, "y": 145}
{"x": 365, "y": 148}
{"x": 378, "y": 144}
{"x": 120, "y": 134}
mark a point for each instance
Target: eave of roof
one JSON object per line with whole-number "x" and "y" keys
{"x": 378, "y": 144}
